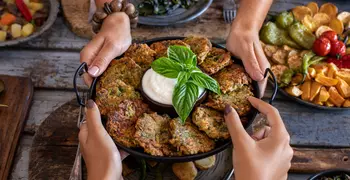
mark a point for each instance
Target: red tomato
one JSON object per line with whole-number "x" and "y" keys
{"x": 346, "y": 58}
{"x": 322, "y": 46}
{"x": 346, "y": 64}
{"x": 337, "y": 49}
{"x": 331, "y": 35}
{"x": 335, "y": 61}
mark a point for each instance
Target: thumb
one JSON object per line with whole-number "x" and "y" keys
{"x": 238, "y": 134}
{"x": 93, "y": 117}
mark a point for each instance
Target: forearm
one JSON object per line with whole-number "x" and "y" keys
{"x": 100, "y": 3}
{"x": 251, "y": 13}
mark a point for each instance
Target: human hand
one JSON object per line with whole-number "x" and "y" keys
{"x": 112, "y": 41}
{"x": 265, "y": 155}
{"x": 101, "y": 156}
{"x": 243, "y": 42}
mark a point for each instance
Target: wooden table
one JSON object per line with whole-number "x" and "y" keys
{"x": 52, "y": 59}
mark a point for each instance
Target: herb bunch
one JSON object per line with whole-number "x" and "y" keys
{"x": 181, "y": 64}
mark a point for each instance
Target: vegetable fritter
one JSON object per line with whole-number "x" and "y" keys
{"x": 238, "y": 99}
{"x": 200, "y": 46}
{"x": 216, "y": 60}
{"x": 232, "y": 77}
{"x": 210, "y": 121}
{"x": 188, "y": 139}
{"x": 121, "y": 123}
{"x": 152, "y": 133}
{"x": 124, "y": 69}
{"x": 111, "y": 95}
{"x": 161, "y": 48}
{"x": 142, "y": 54}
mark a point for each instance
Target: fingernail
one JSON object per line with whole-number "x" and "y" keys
{"x": 94, "y": 71}
{"x": 228, "y": 109}
{"x": 90, "y": 104}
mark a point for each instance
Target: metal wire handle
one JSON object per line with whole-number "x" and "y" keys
{"x": 275, "y": 88}
{"x": 83, "y": 68}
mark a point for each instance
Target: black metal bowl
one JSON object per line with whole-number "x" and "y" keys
{"x": 329, "y": 173}
{"x": 53, "y": 11}
{"x": 220, "y": 145}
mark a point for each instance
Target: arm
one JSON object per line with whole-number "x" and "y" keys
{"x": 243, "y": 40}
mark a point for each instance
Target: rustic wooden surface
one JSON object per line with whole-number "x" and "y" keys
{"x": 17, "y": 96}
{"x": 51, "y": 59}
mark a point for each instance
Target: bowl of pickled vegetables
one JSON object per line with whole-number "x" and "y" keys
{"x": 308, "y": 48}
{"x": 23, "y": 20}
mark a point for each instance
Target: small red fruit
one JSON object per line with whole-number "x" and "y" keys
{"x": 322, "y": 46}
{"x": 331, "y": 35}
{"x": 335, "y": 61}
{"x": 337, "y": 49}
{"x": 346, "y": 58}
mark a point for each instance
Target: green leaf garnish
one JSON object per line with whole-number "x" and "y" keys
{"x": 205, "y": 81}
{"x": 183, "y": 77}
{"x": 166, "y": 67}
{"x": 182, "y": 55}
{"x": 184, "y": 98}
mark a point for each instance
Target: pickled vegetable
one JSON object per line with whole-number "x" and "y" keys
{"x": 286, "y": 77}
{"x": 301, "y": 35}
{"x": 271, "y": 34}
{"x": 284, "y": 20}
{"x": 16, "y": 30}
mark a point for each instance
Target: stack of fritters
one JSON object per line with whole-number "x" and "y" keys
{"x": 131, "y": 123}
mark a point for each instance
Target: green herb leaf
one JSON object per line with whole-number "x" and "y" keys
{"x": 166, "y": 67}
{"x": 182, "y": 54}
{"x": 183, "y": 77}
{"x": 205, "y": 81}
{"x": 184, "y": 98}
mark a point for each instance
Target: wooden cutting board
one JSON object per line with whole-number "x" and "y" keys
{"x": 55, "y": 144}
{"x": 18, "y": 96}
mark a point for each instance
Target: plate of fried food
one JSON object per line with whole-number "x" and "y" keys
{"x": 165, "y": 13}
{"x": 309, "y": 50}
{"x": 23, "y": 20}
{"x": 163, "y": 100}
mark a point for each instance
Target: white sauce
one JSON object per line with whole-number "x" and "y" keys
{"x": 160, "y": 88}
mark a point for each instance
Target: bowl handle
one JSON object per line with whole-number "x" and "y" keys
{"x": 275, "y": 85}
{"x": 83, "y": 68}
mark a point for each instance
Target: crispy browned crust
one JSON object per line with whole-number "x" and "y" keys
{"x": 161, "y": 48}
{"x": 238, "y": 99}
{"x": 152, "y": 133}
{"x": 121, "y": 123}
{"x": 232, "y": 77}
{"x": 142, "y": 54}
{"x": 124, "y": 69}
{"x": 188, "y": 139}
{"x": 216, "y": 60}
{"x": 210, "y": 121}
{"x": 200, "y": 46}
{"x": 111, "y": 95}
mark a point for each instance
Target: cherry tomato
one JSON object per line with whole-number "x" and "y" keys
{"x": 322, "y": 46}
{"x": 331, "y": 35}
{"x": 346, "y": 58}
{"x": 335, "y": 61}
{"x": 346, "y": 64}
{"x": 337, "y": 49}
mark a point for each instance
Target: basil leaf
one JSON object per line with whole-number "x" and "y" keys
{"x": 182, "y": 54}
{"x": 184, "y": 98}
{"x": 166, "y": 67}
{"x": 205, "y": 81}
{"x": 183, "y": 77}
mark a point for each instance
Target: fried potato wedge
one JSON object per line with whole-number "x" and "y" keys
{"x": 329, "y": 9}
{"x": 297, "y": 79}
{"x": 344, "y": 17}
{"x": 337, "y": 26}
{"x": 344, "y": 74}
{"x": 329, "y": 104}
{"x": 335, "y": 97}
{"x": 320, "y": 30}
{"x": 311, "y": 72}
{"x": 305, "y": 88}
{"x": 300, "y": 11}
{"x": 343, "y": 88}
{"x": 294, "y": 91}
{"x": 315, "y": 89}
{"x": 320, "y": 69}
{"x": 309, "y": 23}
{"x": 206, "y": 163}
{"x": 321, "y": 19}
{"x": 324, "y": 95}
{"x": 317, "y": 101}
{"x": 313, "y": 6}
{"x": 332, "y": 70}
{"x": 326, "y": 81}
{"x": 346, "y": 103}
{"x": 185, "y": 171}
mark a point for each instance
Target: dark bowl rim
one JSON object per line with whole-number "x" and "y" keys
{"x": 330, "y": 172}
{"x": 134, "y": 152}
{"x": 54, "y": 9}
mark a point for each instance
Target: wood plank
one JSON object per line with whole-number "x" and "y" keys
{"x": 21, "y": 161}
{"x": 17, "y": 96}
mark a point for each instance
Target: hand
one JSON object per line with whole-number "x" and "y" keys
{"x": 102, "y": 158}
{"x": 265, "y": 155}
{"x": 112, "y": 41}
{"x": 243, "y": 42}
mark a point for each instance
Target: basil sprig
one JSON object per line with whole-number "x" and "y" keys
{"x": 181, "y": 63}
